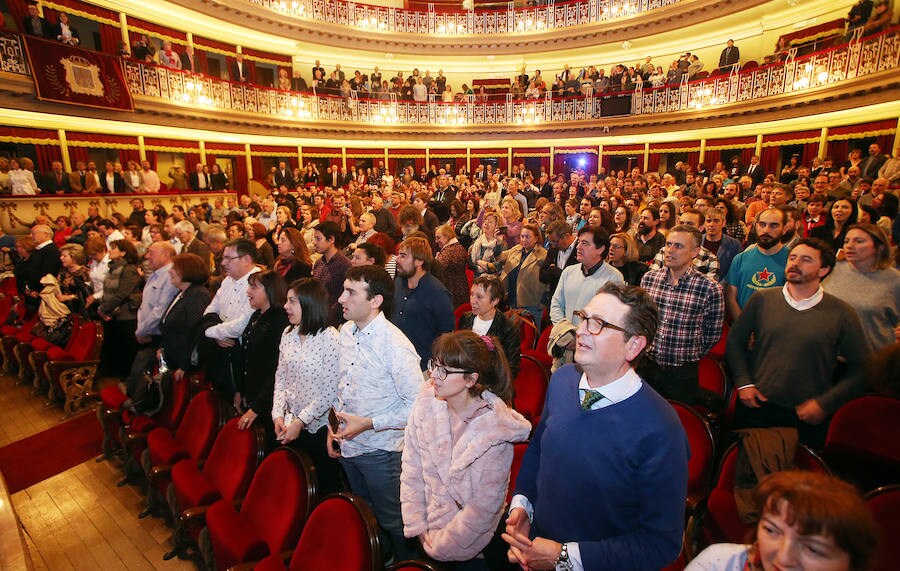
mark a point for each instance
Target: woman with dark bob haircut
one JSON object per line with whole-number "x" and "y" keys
{"x": 487, "y": 297}
{"x": 258, "y": 354}
{"x": 808, "y": 522}
{"x": 118, "y": 309}
{"x": 306, "y": 381}
{"x": 458, "y": 449}
{"x": 181, "y": 321}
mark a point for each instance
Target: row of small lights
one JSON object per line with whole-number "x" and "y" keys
{"x": 528, "y": 115}
{"x": 804, "y": 81}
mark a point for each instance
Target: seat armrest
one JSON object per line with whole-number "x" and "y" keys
{"x": 195, "y": 516}
{"x": 160, "y": 471}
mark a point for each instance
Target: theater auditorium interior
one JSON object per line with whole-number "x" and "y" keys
{"x": 184, "y": 185}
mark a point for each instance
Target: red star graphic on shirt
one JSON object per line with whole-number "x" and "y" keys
{"x": 764, "y": 275}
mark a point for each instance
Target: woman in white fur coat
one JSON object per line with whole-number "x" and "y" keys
{"x": 458, "y": 450}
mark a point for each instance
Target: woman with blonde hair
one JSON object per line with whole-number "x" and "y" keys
{"x": 866, "y": 280}
{"x": 519, "y": 268}
{"x": 458, "y": 450}
{"x": 623, "y": 255}
{"x": 487, "y": 247}
{"x": 511, "y": 219}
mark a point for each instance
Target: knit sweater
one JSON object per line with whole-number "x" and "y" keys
{"x": 575, "y": 290}
{"x": 795, "y": 352}
{"x": 874, "y": 295}
{"x": 612, "y": 479}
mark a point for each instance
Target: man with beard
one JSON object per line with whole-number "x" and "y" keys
{"x": 761, "y": 265}
{"x": 775, "y": 387}
{"x": 649, "y": 241}
{"x": 423, "y": 309}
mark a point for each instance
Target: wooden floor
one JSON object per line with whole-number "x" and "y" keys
{"x": 79, "y": 519}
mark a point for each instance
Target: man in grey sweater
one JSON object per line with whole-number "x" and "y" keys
{"x": 788, "y": 378}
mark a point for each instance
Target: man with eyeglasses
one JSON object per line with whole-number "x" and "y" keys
{"x": 227, "y": 315}
{"x": 691, "y": 310}
{"x": 622, "y": 504}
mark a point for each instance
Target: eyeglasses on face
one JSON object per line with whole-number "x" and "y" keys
{"x": 595, "y": 325}
{"x": 440, "y": 372}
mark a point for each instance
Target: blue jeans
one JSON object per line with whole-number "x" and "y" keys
{"x": 375, "y": 477}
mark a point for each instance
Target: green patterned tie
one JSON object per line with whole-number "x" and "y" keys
{"x": 590, "y": 397}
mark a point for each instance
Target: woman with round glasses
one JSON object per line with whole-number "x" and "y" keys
{"x": 458, "y": 450}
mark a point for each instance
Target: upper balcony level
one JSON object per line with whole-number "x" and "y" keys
{"x": 549, "y": 25}
{"x": 849, "y": 75}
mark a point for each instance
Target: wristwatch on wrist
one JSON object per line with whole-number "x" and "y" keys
{"x": 562, "y": 562}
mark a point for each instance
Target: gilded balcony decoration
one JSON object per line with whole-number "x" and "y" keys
{"x": 510, "y": 20}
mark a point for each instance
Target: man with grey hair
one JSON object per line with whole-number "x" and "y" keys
{"x": 44, "y": 260}
{"x": 187, "y": 235}
{"x": 157, "y": 296}
{"x": 216, "y": 238}
{"x": 691, "y": 311}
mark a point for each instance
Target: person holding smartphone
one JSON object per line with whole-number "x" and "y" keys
{"x": 306, "y": 380}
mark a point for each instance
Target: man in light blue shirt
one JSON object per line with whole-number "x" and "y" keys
{"x": 379, "y": 380}
{"x": 157, "y": 295}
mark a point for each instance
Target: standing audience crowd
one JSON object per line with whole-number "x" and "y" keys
{"x": 352, "y": 295}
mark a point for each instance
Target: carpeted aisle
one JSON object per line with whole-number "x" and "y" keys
{"x": 36, "y": 458}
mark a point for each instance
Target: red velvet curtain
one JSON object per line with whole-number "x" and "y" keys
{"x": 151, "y": 158}
{"x": 241, "y": 179}
{"x": 45, "y": 155}
{"x": 200, "y": 61}
{"x": 259, "y": 172}
{"x": 810, "y": 151}
{"x": 210, "y": 159}
{"x": 693, "y": 159}
{"x": 746, "y": 154}
{"x": 886, "y": 142}
{"x": 126, "y": 155}
{"x": 18, "y": 9}
{"x": 653, "y": 165}
{"x": 838, "y": 150}
{"x": 711, "y": 157}
{"x": 190, "y": 161}
{"x": 110, "y": 36}
{"x": 77, "y": 154}
{"x": 771, "y": 157}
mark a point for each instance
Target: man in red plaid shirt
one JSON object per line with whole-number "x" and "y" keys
{"x": 691, "y": 311}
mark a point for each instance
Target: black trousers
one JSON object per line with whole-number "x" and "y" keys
{"x": 771, "y": 415}
{"x": 679, "y": 383}
{"x": 144, "y": 362}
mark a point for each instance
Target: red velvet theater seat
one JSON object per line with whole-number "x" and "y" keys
{"x": 133, "y": 430}
{"x": 703, "y": 450}
{"x": 355, "y": 547}
{"x": 721, "y": 522}
{"x": 227, "y": 471}
{"x": 193, "y": 439}
{"x": 226, "y": 474}
{"x": 885, "y": 506}
{"x": 530, "y": 389}
{"x": 272, "y": 515}
{"x": 862, "y": 445}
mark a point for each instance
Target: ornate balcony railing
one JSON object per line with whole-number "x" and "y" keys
{"x": 870, "y": 55}
{"x": 552, "y": 15}
{"x": 867, "y": 56}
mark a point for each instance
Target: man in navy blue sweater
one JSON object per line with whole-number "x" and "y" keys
{"x": 604, "y": 480}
